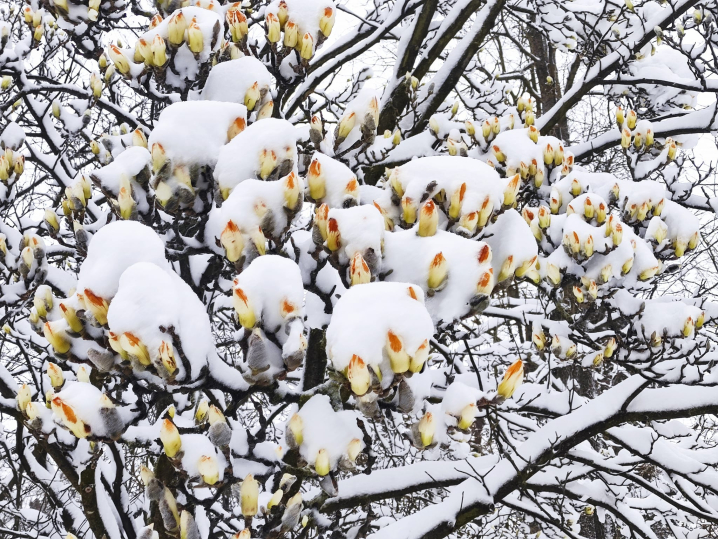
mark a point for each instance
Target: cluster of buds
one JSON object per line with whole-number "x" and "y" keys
{"x": 295, "y": 435}
{"x": 37, "y": 20}
{"x": 236, "y": 248}
{"x": 155, "y": 51}
{"x": 32, "y": 256}
{"x": 577, "y": 249}
{"x": 304, "y": 42}
{"x": 635, "y": 212}
{"x": 589, "y": 208}
{"x": 237, "y": 23}
{"x": 321, "y": 185}
{"x": 76, "y": 197}
{"x": 12, "y": 165}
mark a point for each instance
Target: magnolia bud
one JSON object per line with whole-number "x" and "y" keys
{"x": 244, "y": 309}
{"x": 456, "y": 199}
{"x": 170, "y": 437}
{"x": 398, "y": 357}
{"x": 316, "y": 180}
{"x": 57, "y": 378}
{"x": 359, "y": 270}
{"x": 438, "y": 271}
{"x": 55, "y": 334}
{"x": 358, "y": 376}
{"x": 232, "y": 241}
{"x": 208, "y": 470}
{"x": 326, "y": 23}
{"x": 507, "y": 269}
{"x": 428, "y": 219}
{"x": 273, "y": 27}
{"x": 333, "y": 236}
{"x": 135, "y": 348}
{"x": 511, "y": 191}
{"x": 321, "y": 464}
{"x": 427, "y": 429}
{"x": 119, "y": 59}
{"x": 420, "y": 357}
{"x": 195, "y": 37}
{"x": 249, "y": 494}
{"x": 512, "y": 379}
{"x": 24, "y": 396}
{"x": 467, "y": 416}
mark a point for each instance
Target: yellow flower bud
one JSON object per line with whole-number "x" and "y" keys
{"x": 427, "y": 429}
{"x": 428, "y": 219}
{"x": 232, "y": 241}
{"x": 333, "y": 236}
{"x": 245, "y": 311}
{"x": 438, "y": 271}
{"x": 316, "y": 180}
{"x": 208, "y": 469}
{"x": 23, "y": 397}
{"x": 135, "y": 348}
{"x": 359, "y": 270}
{"x": 467, "y": 416}
{"x": 195, "y": 37}
{"x": 513, "y": 377}
{"x": 358, "y": 376}
{"x": 249, "y": 495}
{"x": 57, "y": 378}
{"x": 321, "y": 464}
{"x": 326, "y": 23}
{"x": 170, "y": 437}
{"x": 55, "y": 334}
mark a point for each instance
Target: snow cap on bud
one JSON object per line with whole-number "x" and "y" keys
{"x": 428, "y": 219}
{"x": 513, "y": 377}
{"x": 249, "y": 494}
{"x": 359, "y": 270}
{"x": 170, "y": 437}
{"x": 358, "y": 375}
{"x": 427, "y": 429}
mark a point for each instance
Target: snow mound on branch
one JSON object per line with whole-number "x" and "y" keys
{"x": 408, "y": 256}
{"x": 326, "y": 429}
{"x": 115, "y": 248}
{"x": 196, "y": 446}
{"x": 85, "y": 401}
{"x": 229, "y": 81}
{"x": 252, "y": 204}
{"x": 424, "y": 178}
{"x": 241, "y": 159}
{"x": 361, "y": 229}
{"x": 459, "y": 395}
{"x": 269, "y": 282}
{"x": 151, "y": 303}
{"x": 134, "y": 161}
{"x": 193, "y": 132}
{"x": 336, "y": 177}
{"x": 510, "y": 236}
{"x": 364, "y": 315}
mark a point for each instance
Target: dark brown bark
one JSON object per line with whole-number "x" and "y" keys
{"x": 548, "y": 81}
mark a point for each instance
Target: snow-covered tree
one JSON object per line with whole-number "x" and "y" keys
{"x": 394, "y": 269}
